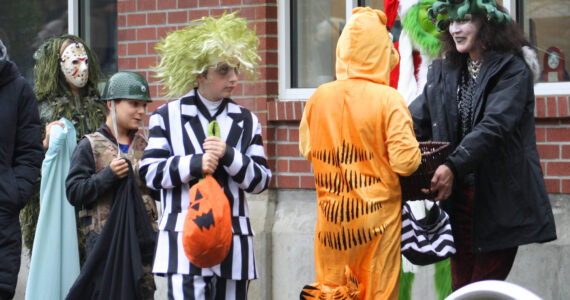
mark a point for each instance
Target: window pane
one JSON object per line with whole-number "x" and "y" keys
{"x": 547, "y": 23}
{"x": 375, "y": 4}
{"x": 315, "y": 28}
{"x": 98, "y": 28}
{"x": 26, "y": 24}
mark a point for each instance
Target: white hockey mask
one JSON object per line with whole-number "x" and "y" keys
{"x": 74, "y": 64}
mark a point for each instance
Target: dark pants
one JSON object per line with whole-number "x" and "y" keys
{"x": 468, "y": 267}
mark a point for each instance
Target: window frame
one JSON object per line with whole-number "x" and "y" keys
{"x": 541, "y": 89}
{"x": 73, "y": 17}
{"x": 287, "y": 93}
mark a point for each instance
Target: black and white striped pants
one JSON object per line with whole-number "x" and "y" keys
{"x": 193, "y": 287}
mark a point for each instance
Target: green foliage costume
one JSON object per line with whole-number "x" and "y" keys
{"x": 86, "y": 111}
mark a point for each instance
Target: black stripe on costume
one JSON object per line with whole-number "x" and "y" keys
{"x": 172, "y": 250}
{"x": 226, "y": 265}
{"x": 241, "y": 197}
{"x": 157, "y": 181}
{"x": 347, "y": 209}
{"x": 221, "y": 289}
{"x": 156, "y": 153}
{"x": 257, "y": 140}
{"x": 171, "y": 222}
{"x": 188, "y": 288}
{"x": 188, "y": 148}
{"x": 170, "y": 288}
{"x": 157, "y": 131}
{"x": 239, "y": 177}
{"x": 176, "y": 205}
{"x": 198, "y": 131}
{"x": 247, "y": 131}
{"x": 241, "y": 289}
{"x": 194, "y": 270}
{"x": 256, "y": 179}
{"x": 173, "y": 171}
{"x": 234, "y": 134}
{"x": 259, "y": 160}
{"x": 244, "y": 256}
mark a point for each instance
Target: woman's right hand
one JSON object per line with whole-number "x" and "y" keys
{"x": 48, "y": 127}
{"x": 441, "y": 182}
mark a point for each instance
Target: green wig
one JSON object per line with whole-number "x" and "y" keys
{"x": 457, "y": 9}
{"x": 421, "y": 29}
{"x": 190, "y": 51}
{"x": 50, "y": 81}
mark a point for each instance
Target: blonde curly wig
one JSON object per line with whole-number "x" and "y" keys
{"x": 206, "y": 42}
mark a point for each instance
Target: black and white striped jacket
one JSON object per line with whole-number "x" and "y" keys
{"x": 172, "y": 163}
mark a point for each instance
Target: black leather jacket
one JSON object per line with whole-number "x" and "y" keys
{"x": 511, "y": 207}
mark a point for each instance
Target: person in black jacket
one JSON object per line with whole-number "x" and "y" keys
{"x": 21, "y": 156}
{"x": 480, "y": 98}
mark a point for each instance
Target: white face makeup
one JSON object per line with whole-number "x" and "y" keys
{"x": 464, "y": 33}
{"x": 74, "y": 64}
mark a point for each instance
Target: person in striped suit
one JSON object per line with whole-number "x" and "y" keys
{"x": 206, "y": 55}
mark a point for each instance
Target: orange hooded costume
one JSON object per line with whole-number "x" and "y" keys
{"x": 357, "y": 132}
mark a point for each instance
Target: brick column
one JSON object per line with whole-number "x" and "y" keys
{"x": 553, "y": 141}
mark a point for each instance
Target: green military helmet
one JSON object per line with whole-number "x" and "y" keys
{"x": 126, "y": 85}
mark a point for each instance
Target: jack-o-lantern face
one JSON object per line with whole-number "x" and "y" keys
{"x": 202, "y": 219}
{"x": 207, "y": 233}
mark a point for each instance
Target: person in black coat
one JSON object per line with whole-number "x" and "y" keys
{"x": 21, "y": 156}
{"x": 480, "y": 98}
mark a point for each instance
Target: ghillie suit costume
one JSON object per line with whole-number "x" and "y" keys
{"x": 357, "y": 133}
{"x": 85, "y": 111}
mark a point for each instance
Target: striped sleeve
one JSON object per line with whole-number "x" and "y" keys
{"x": 249, "y": 170}
{"x": 160, "y": 167}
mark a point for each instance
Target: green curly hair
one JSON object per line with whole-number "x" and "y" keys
{"x": 421, "y": 29}
{"x": 190, "y": 51}
{"x": 47, "y": 64}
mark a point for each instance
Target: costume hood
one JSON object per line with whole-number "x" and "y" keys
{"x": 364, "y": 49}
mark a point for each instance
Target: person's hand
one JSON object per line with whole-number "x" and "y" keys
{"x": 48, "y": 128}
{"x": 209, "y": 163}
{"x": 441, "y": 182}
{"x": 120, "y": 167}
{"x": 215, "y": 146}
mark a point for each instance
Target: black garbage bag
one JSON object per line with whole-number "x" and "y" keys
{"x": 114, "y": 268}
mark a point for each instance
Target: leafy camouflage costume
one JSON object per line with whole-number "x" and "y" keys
{"x": 85, "y": 111}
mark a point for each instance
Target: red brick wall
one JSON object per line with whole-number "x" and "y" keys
{"x": 290, "y": 170}
{"x": 553, "y": 141}
{"x": 143, "y": 22}
{"x": 552, "y": 136}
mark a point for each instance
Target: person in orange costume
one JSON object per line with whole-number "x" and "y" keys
{"x": 358, "y": 134}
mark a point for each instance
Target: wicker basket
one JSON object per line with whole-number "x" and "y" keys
{"x": 433, "y": 155}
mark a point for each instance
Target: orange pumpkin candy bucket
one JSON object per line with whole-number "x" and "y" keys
{"x": 207, "y": 233}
